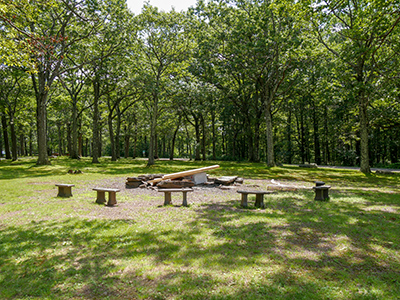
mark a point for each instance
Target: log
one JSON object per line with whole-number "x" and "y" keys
{"x": 134, "y": 179}
{"x": 133, "y": 184}
{"x": 175, "y": 184}
{"x": 225, "y": 180}
{"x": 184, "y": 173}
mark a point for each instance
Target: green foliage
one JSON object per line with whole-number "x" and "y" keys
{"x": 295, "y": 81}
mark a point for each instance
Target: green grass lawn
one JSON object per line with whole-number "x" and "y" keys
{"x": 295, "y": 248}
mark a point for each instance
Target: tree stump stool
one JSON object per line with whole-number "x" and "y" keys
{"x": 321, "y": 192}
{"x": 64, "y": 190}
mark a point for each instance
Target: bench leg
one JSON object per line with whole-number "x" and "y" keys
{"x": 61, "y": 192}
{"x": 326, "y": 194}
{"x": 112, "y": 199}
{"x": 244, "y": 201}
{"x": 259, "y": 201}
{"x": 184, "y": 201}
{"x": 101, "y": 197}
{"x": 167, "y": 198}
{"x": 319, "y": 195}
{"x": 64, "y": 191}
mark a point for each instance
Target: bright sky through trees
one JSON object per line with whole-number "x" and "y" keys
{"x": 136, "y": 5}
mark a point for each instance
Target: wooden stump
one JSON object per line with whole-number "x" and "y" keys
{"x": 64, "y": 190}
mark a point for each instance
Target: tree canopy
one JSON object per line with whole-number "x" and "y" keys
{"x": 276, "y": 81}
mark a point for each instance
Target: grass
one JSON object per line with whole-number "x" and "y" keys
{"x": 295, "y": 248}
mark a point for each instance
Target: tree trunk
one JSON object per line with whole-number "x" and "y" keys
{"x": 317, "y": 148}
{"x": 69, "y": 140}
{"x": 248, "y": 139}
{"x": 22, "y": 144}
{"x": 135, "y": 141}
{"x": 394, "y": 150}
{"x": 223, "y": 140}
{"x": 117, "y": 134}
{"x": 327, "y": 152}
{"x": 60, "y": 139}
{"x": 153, "y": 128}
{"x": 156, "y": 147}
{"x": 112, "y": 141}
{"x": 41, "y": 85}
{"x": 80, "y": 144}
{"x": 31, "y": 141}
{"x": 87, "y": 149}
{"x": 301, "y": 130}
{"x": 289, "y": 138}
{"x": 198, "y": 138}
{"x": 96, "y": 115}
{"x": 214, "y": 138}
{"x": 188, "y": 148}
{"x": 171, "y": 153}
{"x": 14, "y": 146}
{"x": 41, "y": 115}
{"x": 100, "y": 151}
{"x": 204, "y": 138}
{"x": 364, "y": 163}
{"x": 1, "y": 144}
{"x": 5, "y": 135}
{"x": 257, "y": 139}
{"x": 126, "y": 142}
{"x": 74, "y": 130}
{"x": 269, "y": 134}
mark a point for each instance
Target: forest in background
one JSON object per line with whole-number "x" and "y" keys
{"x": 276, "y": 81}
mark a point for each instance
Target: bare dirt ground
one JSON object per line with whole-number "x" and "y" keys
{"x": 134, "y": 201}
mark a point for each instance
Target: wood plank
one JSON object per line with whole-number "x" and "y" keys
{"x": 176, "y": 190}
{"x": 184, "y": 173}
{"x": 175, "y": 183}
{"x": 256, "y": 192}
{"x": 105, "y": 189}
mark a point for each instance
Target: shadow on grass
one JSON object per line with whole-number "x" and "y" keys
{"x": 294, "y": 249}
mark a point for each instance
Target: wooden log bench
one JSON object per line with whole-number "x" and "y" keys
{"x": 167, "y": 195}
{"x": 259, "y": 197}
{"x": 321, "y": 192}
{"x": 64, "y": 190}
{"x": 101, "y": 196}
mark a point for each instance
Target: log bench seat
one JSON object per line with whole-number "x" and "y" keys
{"x": 101, "y": 196}
{"x": 167, "y": 195}
{"x": 64, "y": 190}
{"x": 259, "y": 197}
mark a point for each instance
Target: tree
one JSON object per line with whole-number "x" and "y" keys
{"x": 249, "y": 49}
{"x": 162, "y": 45}
{"x": 73, "y": 82}
{"x": 51, "y": 36}
{"x": 112, "y": 38}
{"x": 355, "y": 31}
{"x": 14, "y": 97}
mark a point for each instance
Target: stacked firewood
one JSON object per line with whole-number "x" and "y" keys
{"x": 143, "y": 182}
{"x": 183, "y": 179}
{"x": 140, "y": 181}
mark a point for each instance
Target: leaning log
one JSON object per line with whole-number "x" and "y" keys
{"x": 184, "y": 173}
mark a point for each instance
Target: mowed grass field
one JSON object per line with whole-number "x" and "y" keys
{"x": 294, "y": 248}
